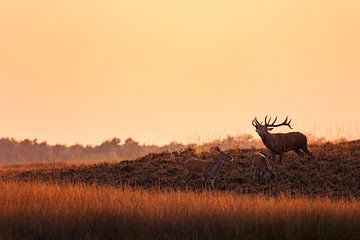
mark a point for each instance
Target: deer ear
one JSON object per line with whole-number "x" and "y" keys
{"x": 269, "y": 129}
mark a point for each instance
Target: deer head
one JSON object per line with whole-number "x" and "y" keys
{"x": 221, "y": 155}
{"x": 263, "y": 129}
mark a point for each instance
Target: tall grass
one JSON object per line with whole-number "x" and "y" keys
{"x": 44, "y": 211}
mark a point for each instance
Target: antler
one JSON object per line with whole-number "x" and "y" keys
{"x": 284, "y": 123}
{"x": 255, "y": 122}
{"x": 267, "y": 123}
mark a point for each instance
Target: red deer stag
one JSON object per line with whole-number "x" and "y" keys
{"x": 279, "y": 143}
{"x": 206, "y": 169}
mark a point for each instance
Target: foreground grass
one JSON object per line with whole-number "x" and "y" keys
{"x": 44, "y": 211}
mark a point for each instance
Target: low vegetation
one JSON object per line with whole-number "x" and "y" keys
{"x": 333, "y": 172}
{"x": 53, "y": 211}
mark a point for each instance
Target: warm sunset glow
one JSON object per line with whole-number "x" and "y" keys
{"x": 157, "y": 71}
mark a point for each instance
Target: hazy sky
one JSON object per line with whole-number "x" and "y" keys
{"x": 159, "y": 70}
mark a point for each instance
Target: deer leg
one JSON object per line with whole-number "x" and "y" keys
{"x": 255, "y": 174}
{"x": 282, "y": 161}
{"x": 204, "y": 181}
{"x": 299, "y": 153}
{"x": 268, "y": 176}
{"x": 272, "y": 175}
{"x": 261, "y": 176}
{"x": 265, "y": 175}
{"x": 258, "y": 175}
{"x": 213, "y": 183}
{"x": 188, "y": 177}
{"x": 272, "y": 158}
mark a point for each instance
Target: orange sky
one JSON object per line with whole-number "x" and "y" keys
{"x": 158, "y": 70}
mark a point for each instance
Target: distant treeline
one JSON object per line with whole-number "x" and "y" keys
{"x": 32, "y": 151}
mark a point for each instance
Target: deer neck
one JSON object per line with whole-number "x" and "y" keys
{"x": 216, "y": 167}
{"x": 268, "y": 140}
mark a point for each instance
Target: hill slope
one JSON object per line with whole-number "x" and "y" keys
{"x": 334, "y": 172}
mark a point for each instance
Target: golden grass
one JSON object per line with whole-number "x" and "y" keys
{"x": 51, "y": 211}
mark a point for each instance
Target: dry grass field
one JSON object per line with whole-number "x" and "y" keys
{"x": 66, "y": 211}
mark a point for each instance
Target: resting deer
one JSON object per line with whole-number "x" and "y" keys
{"x": 206, "y": 169}
{"x": 261, "y": 166}
{"x": 279, "y": 143}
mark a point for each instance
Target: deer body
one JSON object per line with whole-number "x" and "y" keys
{"x": 261, "y": 166}
{"x": 205, "y": 169}
{"x": 279, "y": 143}
{"x": 284, "y": 142}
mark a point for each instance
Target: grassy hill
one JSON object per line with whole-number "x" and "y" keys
{"x": 334, "y": 172}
